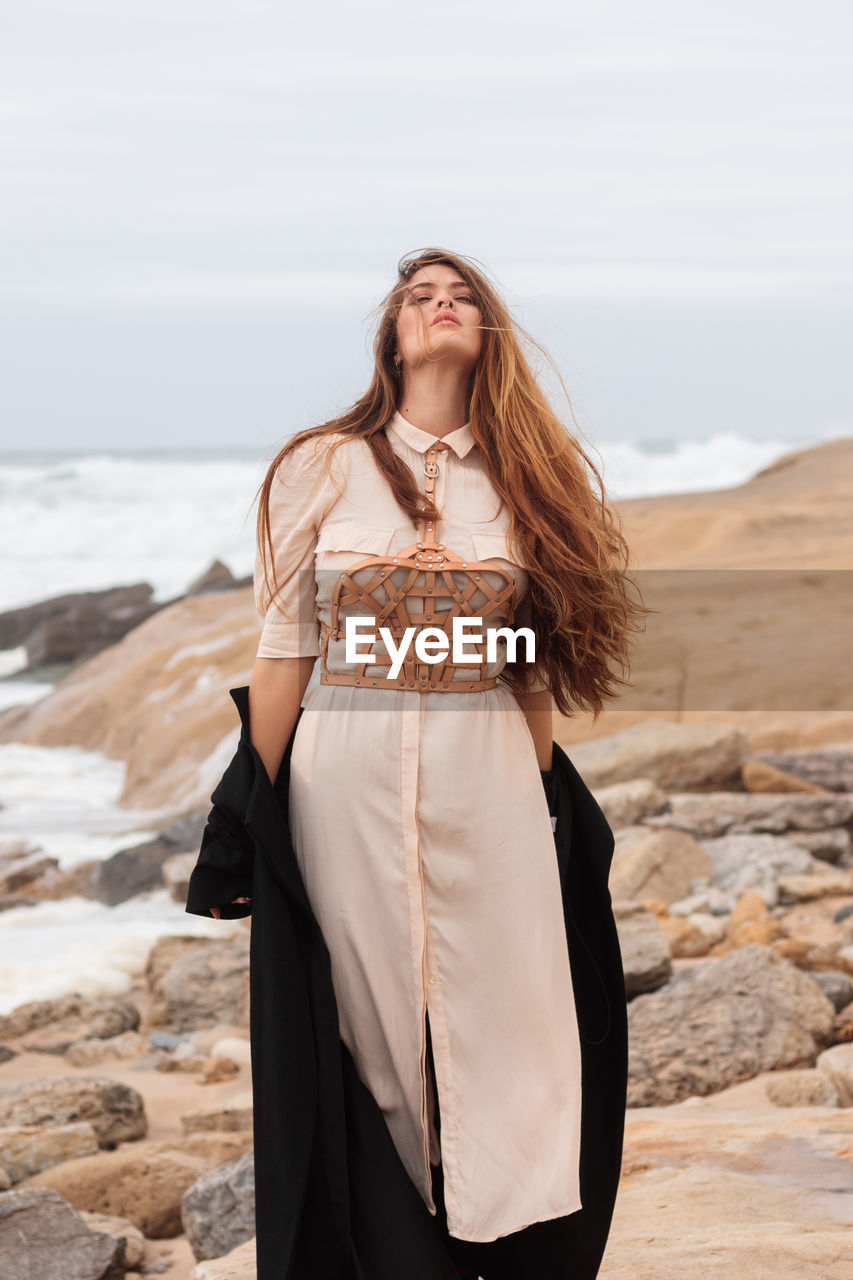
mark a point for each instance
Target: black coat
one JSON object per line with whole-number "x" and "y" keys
{"x": 333, "y": 1201}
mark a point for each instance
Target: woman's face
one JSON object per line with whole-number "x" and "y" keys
{"x": 439, "y": 318}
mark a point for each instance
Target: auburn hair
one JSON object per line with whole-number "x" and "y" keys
{"x": 573, "y": 549}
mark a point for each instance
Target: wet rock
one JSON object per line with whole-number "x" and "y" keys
{"x": 140, "y": 868}
{"x": 71, "y": 628}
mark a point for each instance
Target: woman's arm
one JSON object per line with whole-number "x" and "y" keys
{"x": 538, "y": 709}
{"x": 276, "y": 691}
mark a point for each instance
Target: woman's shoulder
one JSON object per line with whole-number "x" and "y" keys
{"x": 314, "y": 457}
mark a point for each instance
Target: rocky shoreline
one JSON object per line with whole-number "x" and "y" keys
{"x": 125, "y": 1124}
{"x": 732, "y": 883}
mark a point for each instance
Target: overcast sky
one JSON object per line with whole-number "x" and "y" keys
{"x": 202, "y": 201}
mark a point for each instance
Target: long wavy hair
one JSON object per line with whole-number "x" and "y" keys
{"x": 577, "y": 559}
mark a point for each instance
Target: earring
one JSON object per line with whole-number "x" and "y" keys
{"x": 398, "y": 366}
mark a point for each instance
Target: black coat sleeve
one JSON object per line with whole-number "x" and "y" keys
{"x": 225, "y": 865}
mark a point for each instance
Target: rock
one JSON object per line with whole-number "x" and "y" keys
{"x": 836, "y": 986}
{"x": 149, "y": 700}
{"x": 646, "y": 959}
{"x": 830, "y": 768}
{"x": 50, "y": 1026}
{"x": 723, "y": 1020}
{"x": 134, "y": 1250}
{"x": 216, "y": 578}
{"x": 756, "y": 775}
{"x": 239, "y": 1264}
{"x": 237, "y": 1048}
{"x": 176, "y": 872}
{"x": 73, "y": 627}
{"x": 27, "y": 1149}
{"x": 55, "y": 883}
{"x": 739, "y": 1191}
{"x": 204, "y": 984}
{"x": 709, "y": 900}
{"x": 805, "y": 1088}
{"x": 236, "y": 1114}
{"x": 750, "y": 921}
{"x": 88, "y": 1053}
{"x": 831, "y": 845}
{"x": 43, "y": 1238}
{"x": 624, "y": 803}
{"x": 144, "y": 1182}
{"x": 18, "y": 869}
{"x": 218, "y": 1211}
{"x": 837, "y": 1063}
{"x": 676, "y": 756}
{"x": 663, "y": 864}
{"x": 721, "y": 812}
{"x": 746, "y": 862}
{"x": 114, "y": 1110}
{"x": 693, "y": 935}
{"x": 130, "y": 871}
{"x": 140, "y": 868}
{"x": 803, "y": 888}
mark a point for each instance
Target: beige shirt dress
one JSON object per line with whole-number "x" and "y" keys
{"x": 423, "y": 837}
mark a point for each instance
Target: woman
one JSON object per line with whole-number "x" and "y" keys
{"x": 450, "y": 490}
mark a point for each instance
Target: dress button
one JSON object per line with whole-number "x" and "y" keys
{"x": 433, "y": 978}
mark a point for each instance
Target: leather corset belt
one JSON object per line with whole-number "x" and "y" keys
{"x": 385, "y": 587}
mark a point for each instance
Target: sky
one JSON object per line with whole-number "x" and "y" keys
{"x": 203, "y": 202}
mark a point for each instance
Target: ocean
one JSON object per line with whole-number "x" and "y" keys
{"x": 74, "y": 522}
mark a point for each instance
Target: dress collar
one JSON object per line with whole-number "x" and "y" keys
{"x": 460, "y": 440}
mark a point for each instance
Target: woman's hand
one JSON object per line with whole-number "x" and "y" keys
{"x": 214, "y": 911}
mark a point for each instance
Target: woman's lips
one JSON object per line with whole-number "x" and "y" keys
{"x": 446, "y": 320}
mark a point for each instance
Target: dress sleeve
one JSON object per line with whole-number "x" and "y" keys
{"x": 302, "y": 493}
